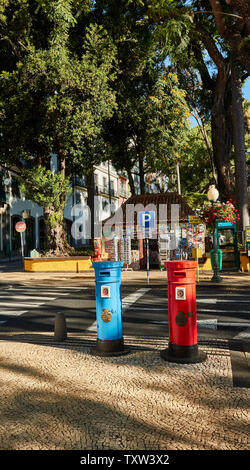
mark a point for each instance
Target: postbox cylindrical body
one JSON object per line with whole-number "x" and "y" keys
{"x": 182, "y": 313}
{"x": 109, "y": 308}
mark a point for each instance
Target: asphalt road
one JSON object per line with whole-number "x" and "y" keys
{"x": 221, "y": 312}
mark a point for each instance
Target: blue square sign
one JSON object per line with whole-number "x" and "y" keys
{"x": 147, "y": 219}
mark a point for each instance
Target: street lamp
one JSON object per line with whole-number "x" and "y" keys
{"x": 212, "y": 196}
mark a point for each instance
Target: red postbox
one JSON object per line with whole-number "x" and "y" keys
{"x": 97, "y": 249}
{"x": 97, "y": 253}
{"x": 182, "y": 316}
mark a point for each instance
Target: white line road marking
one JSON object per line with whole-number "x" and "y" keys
{"x": 20, "y": 304}
{"x": 243, "y": 334}
{"x": 31, "y": 292}
{"x": 200, "y": 310}
{"x": 132, "y": 298}
{"x": 23, "y": 297}
{"x": 225, "y": 294}
{"x": 219, "y": 310}
{"x": 214, "y": 301}
{"x": 126, "y": 303}
{"x": 59, "y": 287}
{"x": 30, "y": 297}
{"x": 12, "y": 313}
{"x": 212, "y": 324}
{"x": 92, "y": 327}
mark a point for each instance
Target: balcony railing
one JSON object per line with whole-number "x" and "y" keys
{"x": 4, "y": 197}
{"x": 79, "y": 181}
{"x": 105, "y": 190}
{"x": 124, "y": 193}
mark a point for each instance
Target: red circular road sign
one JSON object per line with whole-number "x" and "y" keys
{"x": 20, "y": 226}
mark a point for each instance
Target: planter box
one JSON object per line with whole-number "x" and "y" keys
{"x": 74, "y": 264}
{"x": 207, "y": 265}
{"x": 244, "y": 262}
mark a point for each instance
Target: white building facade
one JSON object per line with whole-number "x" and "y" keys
{"x": 111, "y": 189}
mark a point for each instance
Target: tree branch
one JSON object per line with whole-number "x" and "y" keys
{"x": 219, "y": 16}
{"x": 237, "y": 33}
{"x": 211, "y": 47}
{"x": 12, "y": 45}
{"x": 203, "y": 70}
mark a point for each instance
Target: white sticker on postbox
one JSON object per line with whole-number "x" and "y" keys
{"x": 105, "y": 292}
{"x": 180, "y": 293}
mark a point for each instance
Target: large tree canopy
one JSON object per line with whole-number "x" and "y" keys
{"x": 212, "y": 64}
{"x": 147, "y": 131}
{"x": 233, "y": 22}
{"x": 54, "y": 94}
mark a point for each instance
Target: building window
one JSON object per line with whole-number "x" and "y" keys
{"x": 15, "y": 187}
{"x": 105, "y": 205}
{"x": 77, "y": 198}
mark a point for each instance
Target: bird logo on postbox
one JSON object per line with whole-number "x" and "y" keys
{"x": 105, "y": 292}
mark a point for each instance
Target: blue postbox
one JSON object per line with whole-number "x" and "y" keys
{"x": 109, "y": 308}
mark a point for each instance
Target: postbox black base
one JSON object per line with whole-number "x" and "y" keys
{"x": 110, "y": 348}
{"x": 183, "y": 354}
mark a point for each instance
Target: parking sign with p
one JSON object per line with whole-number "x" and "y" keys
{"x": 147, "y": 219}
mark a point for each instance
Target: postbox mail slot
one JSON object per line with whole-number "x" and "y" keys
{"x": 106, "y": 273}
{"x": 179, "y": 274}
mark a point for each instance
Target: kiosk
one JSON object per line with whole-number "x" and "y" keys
{"x": 227, "y": 242}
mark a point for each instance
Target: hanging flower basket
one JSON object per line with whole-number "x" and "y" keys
{"x": 219, "y": 212}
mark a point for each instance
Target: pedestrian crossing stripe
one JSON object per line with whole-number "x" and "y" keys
{"x": 13, "y": 313}
{"x": 26, "y": 299}
{"x": 23, "y": 297}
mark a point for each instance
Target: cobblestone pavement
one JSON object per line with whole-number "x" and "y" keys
{"x": 58, "y": 396}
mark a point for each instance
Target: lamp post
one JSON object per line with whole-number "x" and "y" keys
{"x": 212, "y": 196}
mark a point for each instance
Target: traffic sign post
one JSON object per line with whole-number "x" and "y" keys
{"x": 148, "y": 260}
{"x": 147, "y": 223}
{"x": 21, "y": 227}
{"x": 195, "y": 220}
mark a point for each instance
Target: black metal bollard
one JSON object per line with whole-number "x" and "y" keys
{"x": 60, "y": 328}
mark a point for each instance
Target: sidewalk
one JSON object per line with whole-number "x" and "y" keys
{"x": 128, "y": 277}
{"x": 57, "y": 396}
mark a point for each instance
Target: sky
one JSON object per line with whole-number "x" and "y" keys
{"x": 246, "y": 89}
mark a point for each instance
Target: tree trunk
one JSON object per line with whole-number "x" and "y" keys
{"x": 222, "y": 139}
{"x": 141, "y": 173}
{"x": 57, "y": 241}
{"x": 92, "y": 191}
{"x": 62, "y": 167}
{"x": 131, "y": 181}
{"x": 205, "y": 137}
{"x": 239, "y": 148}
{"x": 178, "y": 178}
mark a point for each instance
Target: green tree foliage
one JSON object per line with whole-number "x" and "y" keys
{"x": 146, "y": 133}
{"x": 195, "y": 168}
{"x": 167, "y": 124}
{"x": 49, "y": 191}
{"x": 232, "y": 19}
{"x": 208, "y": 42}
{"x": 54, "y": 96}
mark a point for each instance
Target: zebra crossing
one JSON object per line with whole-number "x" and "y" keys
{"x": 19, "y": 300}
